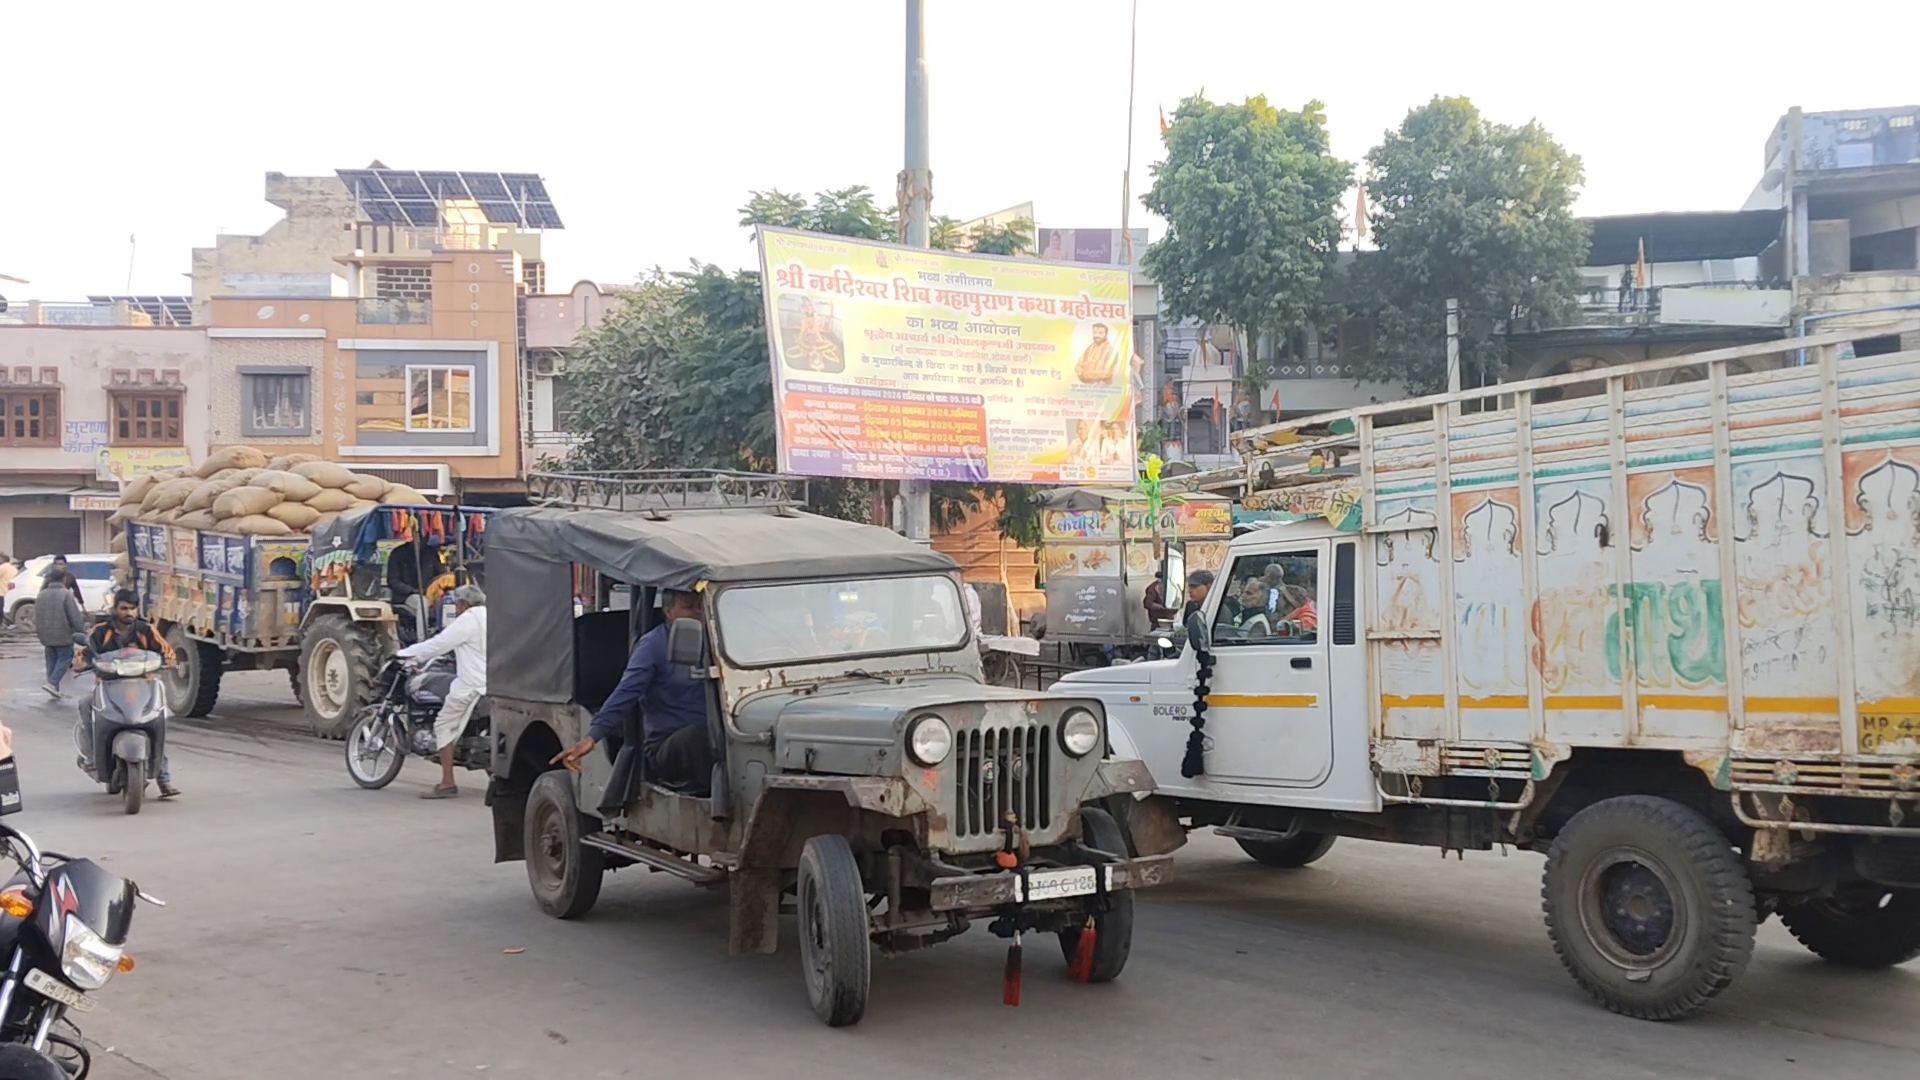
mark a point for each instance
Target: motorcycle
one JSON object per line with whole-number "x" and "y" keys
{"x": 123, "y": 726}
{"x": 63, "y": 931}
{"x": 398, "y": 721}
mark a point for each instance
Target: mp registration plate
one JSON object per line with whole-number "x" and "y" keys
{"x": 47, "y": 986}
{"x": 1057, "y": 884}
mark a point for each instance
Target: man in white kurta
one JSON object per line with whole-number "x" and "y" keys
{"x": 466, "y": 638}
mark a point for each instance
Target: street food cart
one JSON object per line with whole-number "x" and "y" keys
{"x": 1099, "y": 550}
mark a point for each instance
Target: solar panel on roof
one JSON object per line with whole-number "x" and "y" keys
{"x": 406, "y": 197}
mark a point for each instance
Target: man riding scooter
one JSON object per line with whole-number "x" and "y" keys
{"x": 125, "y": 629}
{"x": 466, "y": 638}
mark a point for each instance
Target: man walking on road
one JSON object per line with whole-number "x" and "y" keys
{"x": 56, "y": 618}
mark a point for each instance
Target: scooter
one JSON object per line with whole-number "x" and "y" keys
{"x": 122, "y": 728}
{"x": 63, "y": 934}
{"x": 399, "y": 721}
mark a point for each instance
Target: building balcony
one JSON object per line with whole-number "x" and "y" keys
{"x": 392, "y": 311}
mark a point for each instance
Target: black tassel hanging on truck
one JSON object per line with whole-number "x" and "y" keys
{"x": 1195, "y": 762}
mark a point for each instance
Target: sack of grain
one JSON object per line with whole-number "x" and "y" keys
{"x": 402, "y": 495}
{"x": 257, "y": 525}
{"x": 168, "y": 496}
{"x": 292, "y": 487}
{"x": 361, "y": 504}
{"x": 325, "y": 473}
{"x": 209, "y": 490}
{"x": 368, "y": 487}
{"x": 123, "y": 515}
{"x": 136, "y": 490}
{"x": 286, "y": 462}
{"x": 168, "y": 517}
{"x": 196, "y": 519}
{"x": 233, "y": 457}
{"x": 330, "y": 501}
{"x": 117, "y": 544}
{"x": 299, "y": 516}
{"x": 245, "y": 502}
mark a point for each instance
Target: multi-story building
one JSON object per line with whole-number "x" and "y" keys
{"x": 553, "y": 324}
{"x": 407, "y": 363}
{"x": 91, "y": 394}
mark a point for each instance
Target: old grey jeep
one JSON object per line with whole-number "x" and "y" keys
{"x": 867, "y": 778}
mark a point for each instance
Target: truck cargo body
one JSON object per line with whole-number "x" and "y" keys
{"x": 244, "y": 593}
{"x": 1682, "y": 604}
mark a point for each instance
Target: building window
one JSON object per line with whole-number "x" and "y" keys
{"x": 145, "y": 418}
{"x": 29, "y": 418}
{"x": 275, "y": 402}
{"x": 439, "y": 398}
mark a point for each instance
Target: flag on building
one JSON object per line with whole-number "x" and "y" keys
{"x": 1640, "y": 267}
{"x": 1163, "y": 120}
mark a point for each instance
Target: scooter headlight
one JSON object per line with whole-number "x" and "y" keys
{"x": 87, "y": 960}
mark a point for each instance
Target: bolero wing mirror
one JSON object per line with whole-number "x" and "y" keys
{"x": 1198, "y": 632}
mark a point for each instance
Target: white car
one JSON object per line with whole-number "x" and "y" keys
{"x": 94, "y": 573}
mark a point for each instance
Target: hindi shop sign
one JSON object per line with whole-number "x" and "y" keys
{"x": 896, "y": 363}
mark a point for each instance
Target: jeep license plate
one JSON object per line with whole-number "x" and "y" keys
{"x": 1057, "y": 884}
{"x": 47, "y": 986}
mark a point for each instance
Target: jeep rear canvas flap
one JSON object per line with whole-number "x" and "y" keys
{"x": 531, "y": 552}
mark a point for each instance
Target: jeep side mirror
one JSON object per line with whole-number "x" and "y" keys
{"x": 687, "y": 642}
{"x": 1197, "y": 632}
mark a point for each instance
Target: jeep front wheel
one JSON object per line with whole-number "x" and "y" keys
{"x": 1113, "y": 928}
{"x": 836, "y": 952}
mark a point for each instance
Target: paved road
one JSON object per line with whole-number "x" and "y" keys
{"x": 317, "y": 930}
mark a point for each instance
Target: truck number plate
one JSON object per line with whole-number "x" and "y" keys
{"x": 47, "y": 986}
{"x": 1056, "y": 884}
{"x": 1880, "y": 731}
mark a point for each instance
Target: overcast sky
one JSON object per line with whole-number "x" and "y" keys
{"x": 651, "y": 120}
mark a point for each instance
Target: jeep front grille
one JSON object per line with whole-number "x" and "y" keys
{"x": 1003, "y": 770}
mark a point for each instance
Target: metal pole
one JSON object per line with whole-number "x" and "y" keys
{"x": 917, "y": 495}
{"x": 1126, "y": 176}
{"x": 1453, "y": 352}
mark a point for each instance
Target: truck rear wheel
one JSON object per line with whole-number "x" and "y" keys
{"x": 1863, "y": 925}
{"x": 1113, "y": 929}
{"x": 836, "y": 949}
{"x": 194, "y": 689}
{"x": 338, "y": 659}
{"x": 1298, "y": 850}
{"x": 1648, "y": 906}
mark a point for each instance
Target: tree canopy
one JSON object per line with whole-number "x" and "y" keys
{"x": 1250, "y": 194}
{"x": 1465, "y": 208}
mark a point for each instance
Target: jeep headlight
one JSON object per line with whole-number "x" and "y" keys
{"x": 87, "y": 960}
{"x": 929, "y": 740}
{"x": 1079, "y": 732}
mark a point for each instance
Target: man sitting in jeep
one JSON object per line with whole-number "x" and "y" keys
{"x": 671, "y": 703}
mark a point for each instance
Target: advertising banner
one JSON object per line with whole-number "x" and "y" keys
{"x": 124, "y": 463}
{"x": 895, "y": 363}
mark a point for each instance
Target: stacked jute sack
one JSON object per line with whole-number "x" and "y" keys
{"x": 241, "y": 490}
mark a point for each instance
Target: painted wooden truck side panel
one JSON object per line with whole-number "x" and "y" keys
{"x": 1728, "y": 567}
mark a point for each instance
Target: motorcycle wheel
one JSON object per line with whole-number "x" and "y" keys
{"x": 24, "y": 1063}
{"x": 374, "y": 735}
{"x": 136, "y": 788}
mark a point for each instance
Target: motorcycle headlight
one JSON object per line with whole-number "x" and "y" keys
{"x": 929, "y": 740}
{"x": 1079, "y": 732}
{"x": 87, "y": 960}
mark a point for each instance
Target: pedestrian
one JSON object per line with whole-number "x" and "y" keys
{"x": 59, "y": 566}
{"x": 1155, "y": 600}
{"x": 56, "y": 618}
{"x": 8, "y": 572}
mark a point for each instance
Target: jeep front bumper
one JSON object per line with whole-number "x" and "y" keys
{"x": 965, "y": 892}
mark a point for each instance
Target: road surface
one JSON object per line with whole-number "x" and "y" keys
{"x": 317, "y": 930}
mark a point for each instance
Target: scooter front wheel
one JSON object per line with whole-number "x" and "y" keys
{"x": 136, "y": 788}
{"x": 376, "y": 748}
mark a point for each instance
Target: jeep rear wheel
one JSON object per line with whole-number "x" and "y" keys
{"x": 564, "y": 873}
{"x": 1298, "y": 850}
{"x": 836, "y": 951}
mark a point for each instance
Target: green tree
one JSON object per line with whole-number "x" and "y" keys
{"x": 1464, "y": 208}
{"x": 1013, "y": 238}
{"x": 1250, "y": 194}
{"x": 626, "y": 411}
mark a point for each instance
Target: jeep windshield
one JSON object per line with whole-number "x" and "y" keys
{"x": 804, "y": 622}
